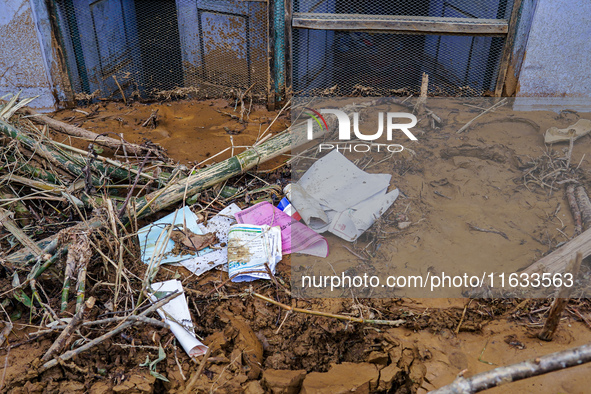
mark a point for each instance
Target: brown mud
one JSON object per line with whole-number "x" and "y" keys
{"x": 478, "y": 179}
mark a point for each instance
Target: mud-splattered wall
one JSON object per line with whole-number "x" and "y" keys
{"x": 558, "y": 51}
{"x": 26, "y": 59}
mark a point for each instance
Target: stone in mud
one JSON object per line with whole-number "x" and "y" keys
{"x": 388, "y": 376}
{"x": 100, "y": 387}
{"x": 72, "y": 387}
{"x": 342, "y": 378}
{"x": 379, "y": 358}
{"x": 136, "y": 384}
{"x": 253, "y": 387}
{"x": 283, "y": 381}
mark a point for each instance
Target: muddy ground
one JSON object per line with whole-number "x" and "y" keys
{"x": 480, "y": 182}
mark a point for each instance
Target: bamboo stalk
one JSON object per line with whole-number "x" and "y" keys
{"x": 14, "y": 229}
{"x": 43, "y": 151}
{"x": 80, "y": 132}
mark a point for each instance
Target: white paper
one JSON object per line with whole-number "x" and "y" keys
{"x": 218, "y": 256}
{"x": 176, "y": 314}
{"x": 150, "y": 238}
{"x": 249, "y": 248}
{"x": 334, "y": 195}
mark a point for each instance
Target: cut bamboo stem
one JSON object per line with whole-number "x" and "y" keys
{"x": 7, "y": 222}
{"x": 560, "y": 301}
{"x": 80, "y": 132}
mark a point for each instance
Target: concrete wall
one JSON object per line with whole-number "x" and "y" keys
{"x": 26, "y": 59}
{"x": 558, "y": 51}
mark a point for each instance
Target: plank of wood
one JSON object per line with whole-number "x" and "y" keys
{"x": 400, "y": 24}
{"x": 508, "y": 48}
{"x": 558, "y": 260}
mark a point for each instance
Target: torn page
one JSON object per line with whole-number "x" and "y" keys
{"x": 176, "y": 314}
{"x": 334, "y": 195}
{"x": 250, "y": 248}
{"x": 296, "y": 237}
{"x": 153, "y": 235}
{"x": 218, "y": 254}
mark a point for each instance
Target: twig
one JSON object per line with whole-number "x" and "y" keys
{"x": 65, "y": 336}
{"x": 125, "y": 324}
{"x": 560, "y": 301}
{"x": 193, "y": 381}
{"x": 493, "y": 231}
{"x": 120, "y": 90}
{"x": 395, "y": 323}
{"x": 511, "y": 373}
{"x": 492, "y": 108}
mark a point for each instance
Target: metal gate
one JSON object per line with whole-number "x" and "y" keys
{"x": 164, "y": 48}
{"x": 382, "y": 47}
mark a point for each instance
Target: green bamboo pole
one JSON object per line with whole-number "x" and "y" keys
{"x": 43, "y": 151}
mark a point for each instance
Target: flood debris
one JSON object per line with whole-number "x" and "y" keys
{"x": 295, "y": 236}
{"x": 573, "y": 132}
{"x": 176, "y": 314}
{"x": 336, "y": 196}
{"x": 252, "y": 251}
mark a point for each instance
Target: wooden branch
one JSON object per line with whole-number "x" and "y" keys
{"x": 560, "y": 302}
{"x": 125, "y": 324}
{"x": 574, "y": 208}
{"x": 400, "y": 24}
{"x": 557, "y": 260}
{"x": 80, "y": 132}
{"x": 584, "y": 206}
{"x": 511, "y": 373}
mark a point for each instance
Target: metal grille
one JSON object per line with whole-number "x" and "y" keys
{"x": 366, "y": 61}
{"x": 347, "y": 63}
{"x": 164, "y": 48}
{"x": 433, "y": 8}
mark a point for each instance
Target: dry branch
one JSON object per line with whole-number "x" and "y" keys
{"x": 511, "y": 373}
{"x": 560, "y": 302}
{"x": 574, "y": 208}
{"x": 584, "y": 206}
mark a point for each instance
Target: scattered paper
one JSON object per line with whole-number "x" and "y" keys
{"x": 250, "y": 248}
{"x": 336, "y": 196}
{"x": 152, "y": 237}
{"x": 176, "y": 314}
{"x": 218, "y": 255}
{"x": 296, "y": 237}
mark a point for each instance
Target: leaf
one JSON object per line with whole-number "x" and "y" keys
{"x": 158, "y": 376}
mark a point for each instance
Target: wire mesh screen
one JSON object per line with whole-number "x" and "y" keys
{"x": 347, "y": 63}
{"x": 434, "y": 8}
{"x": 164, "y": 48}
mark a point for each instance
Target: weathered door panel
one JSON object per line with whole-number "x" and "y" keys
{"x": 108, "y": 44}
{"x": 224, "y": 43}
